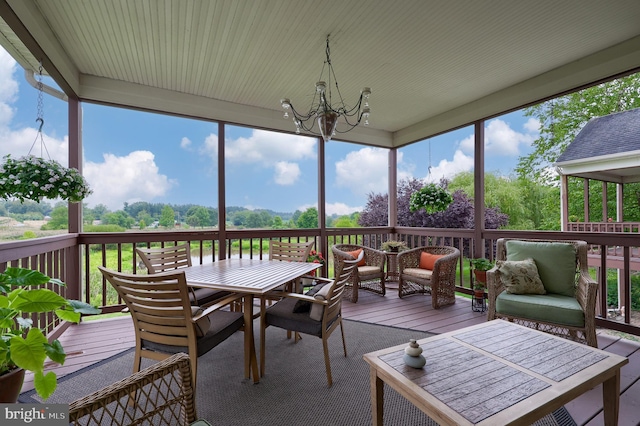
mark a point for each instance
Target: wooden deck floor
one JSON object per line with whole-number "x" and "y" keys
{"x": 92, "y": 341}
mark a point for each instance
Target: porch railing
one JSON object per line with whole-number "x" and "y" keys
{"x": 84, "y": 252}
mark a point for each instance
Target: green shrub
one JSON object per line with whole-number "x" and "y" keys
{"x": 103, "y": 228}
{"x": 28, "y": 235}
{"x": 612, "y": 290}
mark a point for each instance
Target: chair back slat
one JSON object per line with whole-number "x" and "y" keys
{"x": 165, "y": 258}
{"x": 290, "y": 252}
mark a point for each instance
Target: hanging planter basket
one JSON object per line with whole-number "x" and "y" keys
{"x": 34, "y": 178}
{"x": 431, "y": 197}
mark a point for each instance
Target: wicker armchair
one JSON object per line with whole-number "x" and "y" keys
{"x": 370, "y": 276}
{"x": 576, "y": 320}
{"x": 439, "y": 281}
{"x": 163, "y": 396}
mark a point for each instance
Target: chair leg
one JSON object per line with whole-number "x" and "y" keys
{"x": 434, "y": 296}
{"x": 263, "y": 327}
{"x": 194, "y": 367}
{"x": 137, "y": 360}
{"x": 344, "y": 342}
{"x": 327, "y": 363}
{"x": 354, "y": 290}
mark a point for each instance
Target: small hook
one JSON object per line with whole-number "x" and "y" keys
{"x": 41, "y": 120}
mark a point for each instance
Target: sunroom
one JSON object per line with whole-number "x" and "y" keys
{"x": 432, "y": 68}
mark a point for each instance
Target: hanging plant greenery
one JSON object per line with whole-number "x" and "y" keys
{"x": 34, "y": 178}
{"x": 431, "y": 197}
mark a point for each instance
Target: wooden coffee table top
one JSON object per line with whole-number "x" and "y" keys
{"x": 495, "y": 372}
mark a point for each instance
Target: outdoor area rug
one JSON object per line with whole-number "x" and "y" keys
{"x": 294, "y": 389}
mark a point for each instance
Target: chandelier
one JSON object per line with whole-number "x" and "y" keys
{"x": 326, "y": 114}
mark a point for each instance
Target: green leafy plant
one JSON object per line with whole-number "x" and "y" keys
{"x": 22, "y": 345}
{"x": 34, "y": 178}
{"x": 431, "y": 197}
{"x": 481, "y": 264}
{"x": 393, "y": 245}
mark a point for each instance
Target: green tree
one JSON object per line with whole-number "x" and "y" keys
{"x": 277, "y": 223}
{"x": 308, "y": 219}
{"x": 99, "y": 210}
{"x": 344, "y": 222}
{"x": 213, "y": 216}
{"x": 120, "y": 218}
{"x": 144, "y": 218}
{"x": 59, "y": 218}
{"x": 167, "y": 217}
{"x": 254, "y": 220}
{"x": 198, "y": 216}
{"x": 266, "y": 219}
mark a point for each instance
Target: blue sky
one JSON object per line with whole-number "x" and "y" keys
{"x": 133, "y": 156}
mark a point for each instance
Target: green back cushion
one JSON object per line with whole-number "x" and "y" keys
{"x": 556, "y": 263}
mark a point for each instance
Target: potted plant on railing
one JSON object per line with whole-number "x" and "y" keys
{"x": 23, "y": 347}
{"x": 480, "y": 267}
{"x": 315, "y": 257}
{"x": 393, "y": 246}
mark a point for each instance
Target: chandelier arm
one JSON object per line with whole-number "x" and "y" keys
{"x": 351, "y": 125}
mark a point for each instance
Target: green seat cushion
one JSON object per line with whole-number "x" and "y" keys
{"x": 552, "y": 308}
{"x": 556, "y": 263}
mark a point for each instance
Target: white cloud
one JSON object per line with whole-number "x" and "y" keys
{"x": 268, "y": 148}
{"x": 340, "y": 209}
{"x": 364, "y": 171}
{"x": 501, "y": 139}
{"x": 185, "y": 143}
{"x": 271, "y": 150}
{"x": 447, "y": 169}
{"x": 131, "y": 178}
{"x": 532, "y": 125}
{"x": 286, "y": 173}
{"x": 8, "y": 87}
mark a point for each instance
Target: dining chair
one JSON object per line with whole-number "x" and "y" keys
{"x": 545, "y": 285}
{"x": 171, "y": 258}
{"x": 285, "y": 251}
{"x": 429, "y": 269}
{"x": 370, "y": 274}
{"x": 162, "y": 392}
{"x": 164, "y": 320}
{"x": 318, "y": 315}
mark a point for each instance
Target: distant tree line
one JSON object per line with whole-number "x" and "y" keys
{"x": 144, "y": 215}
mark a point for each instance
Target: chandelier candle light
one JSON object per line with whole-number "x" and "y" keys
{"x": 324, "y": 112}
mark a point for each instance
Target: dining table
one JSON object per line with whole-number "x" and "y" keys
{"x": 251, "y": 278}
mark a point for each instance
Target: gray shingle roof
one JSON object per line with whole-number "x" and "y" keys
{"x": 610, "y": 134}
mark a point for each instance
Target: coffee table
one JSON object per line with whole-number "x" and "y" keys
{"x": 495, "y": 373}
